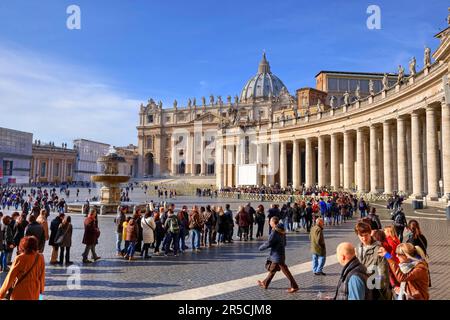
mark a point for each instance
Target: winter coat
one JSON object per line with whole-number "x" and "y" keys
{"x": 44, "y": 223}
{"x": 223, "y": 224}
{"x": 420, "y": 241}
{"x": 243, "y": 219}
{"x": 148, "y": 228}
{"x": 19, "y": 231}
{"x": 417, "y": 280}
{"x": 277, "y": 244}
{"x": 54, "y": 226}
{"x": 132, "y": 232}
{"x": 118, "y": 221}
{"x": 317, "y": 241}
{"x": 374, "y": 263}
{"x": 195, "y": 222}
{"x": 30, "y": 287}
{"x": 91, "y": 232}
{"x": 66, "y": 233}
{"x": 35, "y": 229}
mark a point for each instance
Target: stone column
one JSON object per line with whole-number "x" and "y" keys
{"x": 219, "y": 165}
{"x": 271, "y": 164}
{"x": 296, "y": 172}
{"x": 283, "y": 165}
{"x": 335, "y": 175}
{"x": 360, "y": 163}
{"x": 387, "y": 153}
{"x": 432, "y": 154}
{"x": 348, "y": 160}
{"x": 416, "y": 156}
{"x": 237, "y": 161}
{"x": 230, "y": 158}
{"x": 322, "y": 160}
{"x": 173, "y": 162}
{"x": 308, "y": 163}
{"x": 258, "y": 163}
{"x": 445, "y": 132}
{"x": 202, "y": 156}
{"x": 402, "y": 161}
{"x": 192, "y": 154}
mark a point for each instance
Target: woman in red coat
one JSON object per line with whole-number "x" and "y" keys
{"x": 30, "y": 263}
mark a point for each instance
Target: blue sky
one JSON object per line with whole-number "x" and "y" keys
{"x": 63, "y": 84}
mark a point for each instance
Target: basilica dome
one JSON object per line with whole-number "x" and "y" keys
{"x": 264, "y": 84}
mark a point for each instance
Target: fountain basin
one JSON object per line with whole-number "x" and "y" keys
{"x": 110, "y": 178}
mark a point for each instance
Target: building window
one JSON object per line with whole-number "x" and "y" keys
{"x": 7, "y": 168}
{"x": 332, "y": 84}
{"x": 57, "y": 170}
{"x": 167, "y": 119}
{"x": 149, "y": 118}
{"x": 43, "y": 169}
{"x": 69, "y": 170}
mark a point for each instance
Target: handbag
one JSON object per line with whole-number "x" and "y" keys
{"x": 10, "y": 290}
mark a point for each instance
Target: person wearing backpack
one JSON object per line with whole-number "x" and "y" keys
{"x": 399, "y": 223}
{"x": 172, "y": 226}
{"x": 375, "y": 222}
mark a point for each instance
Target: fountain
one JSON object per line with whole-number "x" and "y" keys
{"x": 109, "y": 194}
{"x": 111, "y": 180}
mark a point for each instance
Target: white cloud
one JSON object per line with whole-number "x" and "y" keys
{"x": 61, "y": 102}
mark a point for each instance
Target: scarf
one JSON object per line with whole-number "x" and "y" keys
{"x": 406, "y": 267}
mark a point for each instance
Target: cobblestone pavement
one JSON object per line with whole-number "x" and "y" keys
{"x": 114, "y": 278}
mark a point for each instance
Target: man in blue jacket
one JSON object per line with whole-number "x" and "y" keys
{"x": 277, "y": 258}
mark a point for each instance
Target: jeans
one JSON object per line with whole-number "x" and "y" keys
{"x": 336, "y": 219}
{"x": 363, "y": 213}
{"x": 169, "y": 237}
{"x": 86, "y": 252}
{"x": 3, "y": 262}
{"x": 61, "y": 254}
{"x": 118, "y": 242}
{"x": 183, "y": 239}
{"x": 318, "y": 262}
{"x": 195, "y": 235}
{"x": 286, "y": 224}
{"x": 207, "y": 235}
{"x": 131, "y": 248}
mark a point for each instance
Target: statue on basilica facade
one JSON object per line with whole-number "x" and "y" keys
{"x": 203, "y": 101}
{"x": 160, "y": 105}
{"x": 401, "y": 74}
{"x": 358, "y": 92}
{"x": 189, "y": 103}
{"x": 371, "y": 88}
{"x": 319, "y": 106}
{"x": 236, "y": 99}
{"x": 229, "y": 100}
{"x": 412, "y": 67}
{"x": 175, "y": 104}
{"x": 219, "y": 101}
{"x": 346, "y": 98}
{"x": 385, "y": 82}
{"x": 333, "y": 102}
{"x": 211, "y": 100}
{"x": 427, "y": 58}
{"x": 194, "y": 102}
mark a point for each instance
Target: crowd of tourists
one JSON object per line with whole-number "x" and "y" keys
{"x": 163, "y": 229}
{"x": 277, "y": 190}
{"x": 380, "y": 267}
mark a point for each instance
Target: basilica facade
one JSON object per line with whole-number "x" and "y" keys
{"x": 370, "y": 132}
